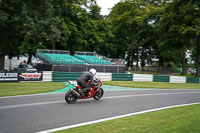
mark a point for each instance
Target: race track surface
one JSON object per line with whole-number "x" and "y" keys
{"x": 28, "y": 114}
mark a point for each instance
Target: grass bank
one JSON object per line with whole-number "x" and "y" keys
{"x": 175, "y": 120}
{"x": 13, "y": 89}
{"x": 25, "y": 88}
{"x": 156, "y": 85}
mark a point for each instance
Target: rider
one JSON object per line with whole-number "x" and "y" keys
{"x": 83, "y": 81}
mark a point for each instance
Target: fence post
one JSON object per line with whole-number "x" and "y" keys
{"x": 117, "y": 69}
{"x": 52, "y": 69}
{"x": 86, "y": 68}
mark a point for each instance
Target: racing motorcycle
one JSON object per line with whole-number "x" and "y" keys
{"x": 74, "y": 94}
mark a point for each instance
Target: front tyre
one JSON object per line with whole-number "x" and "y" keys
{"x": 70, "y": 97}
{"x": 99, "y": 94}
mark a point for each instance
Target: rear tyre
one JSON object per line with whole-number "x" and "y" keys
{"x": 99, "y": 94}
{"x": 70, "y": 97}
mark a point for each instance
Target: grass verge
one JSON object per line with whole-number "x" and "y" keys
{"x": 13, "y": 89}
{"x": 176, "y": 120}
{"x": 24, "y": 88}
{"x": 156, "y": 85}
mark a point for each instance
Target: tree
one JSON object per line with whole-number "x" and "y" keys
{"x": 59, "y": 24}
{"x": 179, "y": 27}
{"x": 123, "y": 28}
{"x": 134, "y": 34}
{"x": 31, "y": 25}
{"x": 9, "y": 26}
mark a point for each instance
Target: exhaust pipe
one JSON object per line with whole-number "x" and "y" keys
{"x": 76, "y": 93}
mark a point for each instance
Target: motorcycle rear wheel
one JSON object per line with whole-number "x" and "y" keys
{"x": 99, "y": 94}
{"x": 70, "y": 97}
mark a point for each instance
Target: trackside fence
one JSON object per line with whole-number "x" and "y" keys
{"x": 122, "y": 77}
{"x": 161, "y": 78}
{"x": 47, "y": 75}
{"x": 65, "y": 76}
{"x": 143, "y": 77}
{"x": 56, "y": 76}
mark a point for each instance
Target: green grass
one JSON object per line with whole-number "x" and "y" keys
{"x": 159, "y": 85}
{"x": 13, "y": 89}
{"x": 24, "y": 88}
{"x": 159, "y": 73}
{"x": 176, "y": 120}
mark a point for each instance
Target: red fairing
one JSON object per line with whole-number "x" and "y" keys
{"x": 92, "y": 91}
{"x": 73, "y": 94}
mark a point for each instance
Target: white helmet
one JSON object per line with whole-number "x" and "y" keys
{"x": 93, "y": 71}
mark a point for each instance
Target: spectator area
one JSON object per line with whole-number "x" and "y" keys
{"x": 63, "y": 57}
{"x": 52, "y": 58}
{"x": 91, "y": 59}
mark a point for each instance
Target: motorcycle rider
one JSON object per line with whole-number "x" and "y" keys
{"x": 83, "y": 81}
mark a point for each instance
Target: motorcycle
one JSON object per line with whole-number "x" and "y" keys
{"x": 74, "y": 94}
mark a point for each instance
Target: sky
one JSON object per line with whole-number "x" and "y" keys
{"x": 105, "y": 5}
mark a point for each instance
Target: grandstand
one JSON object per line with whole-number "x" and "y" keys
{"x": 91, "y": 58}
{"x": 63, "y": 57}
{"x": 60, "y": 60}
{"x": 57, "y": 57}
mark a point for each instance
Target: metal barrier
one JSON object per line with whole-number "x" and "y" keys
{"x": 143, "y": 77}
{"x": 65, "y": 76}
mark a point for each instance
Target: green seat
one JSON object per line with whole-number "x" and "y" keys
{"x": 92, "y": 59}
{"x": 60, "y": 59}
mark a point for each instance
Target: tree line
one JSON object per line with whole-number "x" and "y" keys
{"x": 137, "y": 30}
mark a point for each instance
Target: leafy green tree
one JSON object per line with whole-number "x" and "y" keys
{"x": 60, "y": 24}
{"x": 178, "y": 27}
{"x": 41, "y": 27}
{"x": 9, "y": 27}
{"x": 3, "y": 36}
{"x": 31, "y": 25}
{"x": 133, "y": 31}
{"x": 122, "y": 28}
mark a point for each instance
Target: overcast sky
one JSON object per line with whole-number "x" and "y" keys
{"x": 105, "y": 5}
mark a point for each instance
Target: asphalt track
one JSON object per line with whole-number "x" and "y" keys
{"x": 28, "y": 114}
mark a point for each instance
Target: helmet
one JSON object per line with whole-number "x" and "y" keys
{"x": 93, "y": 71}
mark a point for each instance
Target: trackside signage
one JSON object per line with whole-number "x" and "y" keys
{"x": 30, "y": 76}
{"x": 9, "y": 77}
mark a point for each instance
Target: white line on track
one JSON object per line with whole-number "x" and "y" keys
{"x": 110, "y": 97}
{"x": 30, "y": 104}
{"x": 111, "y": 118}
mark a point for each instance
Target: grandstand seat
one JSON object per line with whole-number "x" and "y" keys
{"x": 93, "y": 59}
{"x": 60, "y": 58}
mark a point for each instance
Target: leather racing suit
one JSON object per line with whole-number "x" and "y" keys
{"x": 83, "y": 81}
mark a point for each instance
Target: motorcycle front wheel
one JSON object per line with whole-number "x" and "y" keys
{"x": 70, "y": 97}
{"x": 99, "y": 94}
